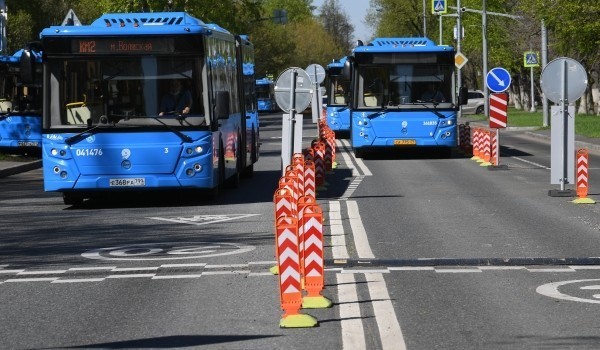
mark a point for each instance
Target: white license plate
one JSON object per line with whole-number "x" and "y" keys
{"x": 27, "y": 144}
{"x": 131, "y": 182}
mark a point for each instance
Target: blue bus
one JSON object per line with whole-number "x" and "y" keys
{"x": 21, "y": 101}
{"x": 338, "y": 96}
{"x": 265, "y": 94}
{"x": 403, "y": 95}
{"x": 142, "y": 101}
{"x": 245, "y": 57}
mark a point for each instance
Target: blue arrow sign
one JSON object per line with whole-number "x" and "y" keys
{"x": 498, "y": 79}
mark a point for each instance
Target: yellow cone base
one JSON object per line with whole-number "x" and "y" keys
{"x": 475, "y": 158}
{"x": 274, "y": 270}
{"x": 485, "y": 164}
{"x": 584, "y": 201}
{"x": 316, "y": 303}
{"x": 298, "y": 321}
{"x": 334, "y": 165}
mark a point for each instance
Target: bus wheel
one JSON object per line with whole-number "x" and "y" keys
{"x": 234, "y": 181}
{"x": 72, "y": 199}
{"x": 359, "y": 153}
{"x": 249, "y": 171}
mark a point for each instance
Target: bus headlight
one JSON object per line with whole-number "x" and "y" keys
{"x": 198, "y": 167}
{"x": 446, "y": 122}
{"x": 199, "y": 149}
{"x": 189, "y": 172}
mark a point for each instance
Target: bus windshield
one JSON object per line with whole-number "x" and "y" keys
{"x": 403, "y": 83}
{"x": 339, "y": 89}
{"x": 263, "y": 91}
{"x": 125, "y": 91}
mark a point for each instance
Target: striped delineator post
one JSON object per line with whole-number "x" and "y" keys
{"x": 298, "y": 163}
{"x": 310, "y": 184}
{"x": 319, "y": 149}
{"x": 494, "y": 159}
{"x": 314, "y": 269}
{"x": 288, "y": 263}
{"x": 284, "y": 206}
{"x": 582, "y": 166}
{"x": 487, "y": 148}
{"x": 476, "y": 148}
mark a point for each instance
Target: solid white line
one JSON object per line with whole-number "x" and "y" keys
{"x": 531, "y": 163}
{"x": 98, "y": 268}
{"x": 125, "y": 269}
{"x": 260, "y": 274}
{"x": 338, "y": 238}
{"x": 165, "y": 277}
{"x": 411, "y": 268}
{"x": 387, "y": 322}
{"x": 40, "y": 279}
{"x": 364, "y": 169}
{"x": 136, "y": 275}
{"x": 79, "y": 280}
{"x": 457, "y": 270}
{"x": 353, "y": 333}
{"x": 360, "y": 235}
{"x": 365, "y": 271}
{"x": 238, "y": 272}
{"x": 183, "y": 265}
{"x": 225, "y": 266}
{"x": 552, "y": 270}
{"x": 47, "y": 272}
{"x": 11, "y": 271}
{"x": 585, "y": 267}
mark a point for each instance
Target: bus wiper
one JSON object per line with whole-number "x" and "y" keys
{"x": 434, "y": 109}
{"x": 378, "y": 113}
{"x": 183, "y": 136}
{"x": 77, "y": 137}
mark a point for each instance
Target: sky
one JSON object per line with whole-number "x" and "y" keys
{"x": 356, "y": 10}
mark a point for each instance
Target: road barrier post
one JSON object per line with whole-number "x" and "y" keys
{"x": 288, "y": 262}
{"x": 582, "y": 167}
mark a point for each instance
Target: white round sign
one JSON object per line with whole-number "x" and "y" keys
{"x": 316, "y": 71}
{"x": 302, "y": 90}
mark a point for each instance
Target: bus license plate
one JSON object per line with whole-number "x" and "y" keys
{"x": 405, "y": 142}
{"x": 28, "y": 144}
{"x": 133, "y": 182}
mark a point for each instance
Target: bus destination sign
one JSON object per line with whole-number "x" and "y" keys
{"x": 122, "y": 45}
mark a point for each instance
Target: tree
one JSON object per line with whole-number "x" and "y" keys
{"x": 337, "y": 24}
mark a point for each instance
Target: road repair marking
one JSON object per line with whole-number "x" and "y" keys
{"x": 204, "y": 219}
{"x": 167, "y": 251}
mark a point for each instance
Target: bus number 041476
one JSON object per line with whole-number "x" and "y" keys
{"x": 84, "y": 152}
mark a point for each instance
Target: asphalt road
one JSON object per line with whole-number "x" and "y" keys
{"x": 454, "y": 256}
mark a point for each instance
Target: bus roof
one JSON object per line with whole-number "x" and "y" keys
{"x": 380, "y": 45}
{"x": 338, "y": 63}
{"x": 148, "y": 23}
{"x": 16, "y": 57}
{"x": 264, "y": 81}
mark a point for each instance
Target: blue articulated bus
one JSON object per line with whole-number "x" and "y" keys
{"x": 143, "y": 101}
{"x": 338, "y": 96}
{"x": 21, "y": 101}
{"x": 265, "y": 94}
{"x": 245, "y": 57}
{"x": 403, "y": 95}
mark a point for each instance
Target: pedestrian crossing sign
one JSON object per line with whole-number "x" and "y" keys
{"x": 439, "y": 7}
{"x": 530, "y": 59}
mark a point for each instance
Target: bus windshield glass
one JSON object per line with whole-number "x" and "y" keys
{"x": 127, "y": 91}
{"x": 263, "y": 91}
{"x": 405, "y": 81}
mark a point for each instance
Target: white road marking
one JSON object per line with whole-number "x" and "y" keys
{"x": 361, "y": 241}
{"x": 125, "y": 269}
{"x": 531, "y": 163}
{"x": 47, "y": 272}
{"x": 387, "y": 321}
{"x": 347, "y": 154}
{"x": 135, "y": 275}
{"x": 79, "y": 280}
{"x": 183, "y": 265}
{"x": 92, "y": 268}
{"x": 353, "y": 333}
{"x": 456, "y": 270}
{"x": 176, "y": 276}
{"x": 204, "y": 219}
{"x": 40, "y": 279}
{"x": 338, "y": 238}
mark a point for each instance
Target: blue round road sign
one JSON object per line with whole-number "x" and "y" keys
{"x": 498, "y": 79}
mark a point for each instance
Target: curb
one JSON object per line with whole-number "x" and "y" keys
{"x": 20, "y": 168}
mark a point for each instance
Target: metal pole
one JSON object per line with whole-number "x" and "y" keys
{"x": 544, "y": 63}
{"x": 486, "y": 93}
{"x": 292, "y": 114}
{"x": 565, "y": 114}
{"x": 424, "y": 20}
{"x": 532, "y": 92}
{"x": 440, "y": 16}
{"x": 458, "y": 48}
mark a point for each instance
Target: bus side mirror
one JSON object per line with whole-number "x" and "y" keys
{"x": 347, "y": 70}
{"x": 463, "y": 96}
{"x": 26, "y": 66}
{"x": 222, "y": 105}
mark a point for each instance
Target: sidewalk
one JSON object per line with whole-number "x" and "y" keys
{"x": 580, "y": 141}
{"x": 8, "y": 168}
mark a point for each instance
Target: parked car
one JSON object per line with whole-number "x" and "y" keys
{"x": 475, "y": 104}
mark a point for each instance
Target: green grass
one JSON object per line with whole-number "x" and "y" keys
{"x": 585, "y": 124}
